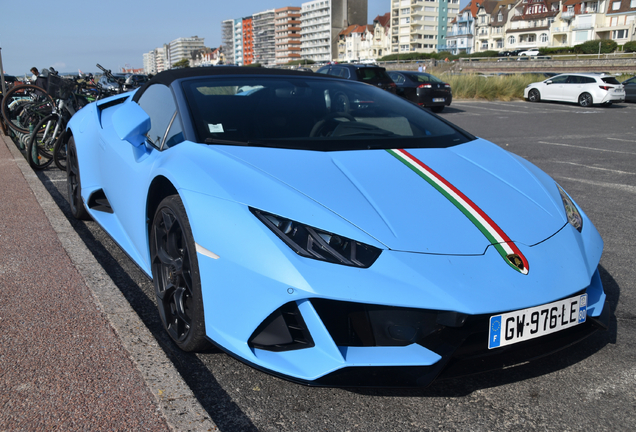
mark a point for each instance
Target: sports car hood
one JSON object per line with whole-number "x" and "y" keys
{"x": 383, "y": 195}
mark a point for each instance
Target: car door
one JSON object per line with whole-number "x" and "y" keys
{"x": 630, "y": 89}
{"x": 574, "y": 86}
{"x": 555, "y": 89}
{"x": 401, "y": 84}
{"x": 126, "y": 168}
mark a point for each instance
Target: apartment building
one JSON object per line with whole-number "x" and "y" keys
{"x": 248, "y": 40}
{"x": 322, "y": 21}
{"x": 181, "y": 48}
{"x": 620, "y": 22}
{"x": 379, "y": 44}
{"x": 227, "y": 40}
{"x": 421, "y": 25}
{"x": 460, "y": 38}
{"x": 264, "y": 41}
{"x": 287, "y": 34}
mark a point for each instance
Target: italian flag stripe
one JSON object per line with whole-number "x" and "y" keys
{"x": 481, "y": 220}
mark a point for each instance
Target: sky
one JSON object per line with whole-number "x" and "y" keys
{"x": 72, "y": 35}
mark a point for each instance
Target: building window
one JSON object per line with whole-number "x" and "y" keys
{"x": 616, "y": 5}
{"x": 500, "y": 17}
{"x": 544, "y": 37}
{"x": 619, "y": 34}
{"x": 512, "y": 40}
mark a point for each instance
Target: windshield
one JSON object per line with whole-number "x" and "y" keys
{"x": 311, "y": 113}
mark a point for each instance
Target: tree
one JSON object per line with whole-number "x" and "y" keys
{"x": 630, "y": 46}
{"x": 591, "y": 46}
{"x": 183, "y": 63}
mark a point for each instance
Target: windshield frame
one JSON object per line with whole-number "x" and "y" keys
{"x": 349, "y": 140}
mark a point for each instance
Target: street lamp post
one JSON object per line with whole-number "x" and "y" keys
{"x": 4, "y": 89}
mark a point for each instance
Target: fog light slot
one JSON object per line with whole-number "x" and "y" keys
{"x": 283, "y": 330}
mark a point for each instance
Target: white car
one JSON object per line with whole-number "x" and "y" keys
{"x": 531, "y": 52}
{"x": 585, "y": 89}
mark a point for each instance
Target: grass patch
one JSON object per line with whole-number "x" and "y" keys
{"x": 505, "y": 87}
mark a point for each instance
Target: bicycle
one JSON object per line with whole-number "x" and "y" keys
{"x": 46, "y": 142}
{"x": 24, "y": 106}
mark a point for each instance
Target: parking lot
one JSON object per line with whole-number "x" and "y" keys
{"x": 591, "y": 152}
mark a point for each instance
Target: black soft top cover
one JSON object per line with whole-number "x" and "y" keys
{"x": 167, "y": 77}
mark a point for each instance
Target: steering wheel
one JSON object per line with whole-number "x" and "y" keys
{"x": 325, "y": 126}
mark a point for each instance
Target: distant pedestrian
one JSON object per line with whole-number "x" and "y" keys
{"x": 423, "y": 68}
{"x": 35, "y": 73}
{"x": 39, "y": 80}
{"x": 420, "y": 69}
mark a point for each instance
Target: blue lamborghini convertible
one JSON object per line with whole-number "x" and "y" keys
{"x": 331, "y": 233}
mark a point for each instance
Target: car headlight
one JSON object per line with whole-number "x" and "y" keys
{"x": 574, "y": 217}
{"x": 317, "y": 244}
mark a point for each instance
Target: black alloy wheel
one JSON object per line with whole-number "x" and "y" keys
{"x": 585, "y": 100}
{"x": 175, "y": 273}
{"x": 73, "y": 183}
{"x": 534, "y": 95}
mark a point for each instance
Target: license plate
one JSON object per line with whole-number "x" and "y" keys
{"x": 439, "y": 100}
{"x": 618, "y": 90}
{"x": 521, "y": 325}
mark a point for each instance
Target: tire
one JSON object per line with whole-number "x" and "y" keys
{"x": 585, "y": 100}
{"x": 39, "y": 151}
{"x": 437, "y": 109}
{"x": 59, "y": 152}
{"x": 534, "y": 95}
{"x": 25, "y": 105}
{"x": 175, "y": 274}
{"x": 74, "y": 184}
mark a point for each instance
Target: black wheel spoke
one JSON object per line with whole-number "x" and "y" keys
{"x": 175, "y": 276}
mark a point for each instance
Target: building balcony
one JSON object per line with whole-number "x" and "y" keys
{"x": 459, "y": 32}
{"x": 587, "y": 26}
{"x": 557, "y": 30}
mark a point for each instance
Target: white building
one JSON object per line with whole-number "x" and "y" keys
{"x": 227, "y": 38}
{"x": 156, "y": 60}
{"x": 421, "y": 25}
{"x": 322, "y": 21}
{"x": 264, "y": 27}
{"x": 182, "y": 48}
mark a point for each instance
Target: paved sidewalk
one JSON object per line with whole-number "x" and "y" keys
{"x": 73, "y": 354}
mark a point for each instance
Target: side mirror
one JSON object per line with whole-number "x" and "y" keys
{"x": 131, "y": 123}
{"x": 548, "y": 82}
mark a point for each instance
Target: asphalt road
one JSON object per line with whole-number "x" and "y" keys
{"x": 591, "y": 152}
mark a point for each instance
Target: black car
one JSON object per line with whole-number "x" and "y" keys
{"x": 630, "y": 89}
{"x": 369, "y": 74}
{"x": 423, "y": 89}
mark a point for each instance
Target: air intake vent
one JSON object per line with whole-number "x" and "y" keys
{"x": 283, "y": 330}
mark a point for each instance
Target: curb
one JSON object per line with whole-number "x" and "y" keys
{"x": 179, "y": 406}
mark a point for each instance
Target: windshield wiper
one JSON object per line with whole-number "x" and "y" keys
{"x": 231, "y": 142}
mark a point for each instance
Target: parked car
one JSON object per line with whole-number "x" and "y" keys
{"x": 369, "y": 74}
{"x": 630, "y": 89}
{"x": 111, "y": 84}
{"x": 531, "y": 52}
{"x": 136, "y": 80}
{"x": 368, "y": 243}
{"x": 585, "y": 89}
{"x": 422, "y": 88}
{"x": 544, "y": 74}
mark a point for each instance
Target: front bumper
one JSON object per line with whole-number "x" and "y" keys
{"x": 463, "y": 353}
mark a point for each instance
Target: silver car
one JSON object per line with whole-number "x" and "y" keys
{"x": 586, "y": 89}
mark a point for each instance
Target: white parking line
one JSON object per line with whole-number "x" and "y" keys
{"x": 586, "y": 148}
{"x": 620, "y": 139}
{"x": 621, "y": 187}
{"x": 596, "y": 168}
